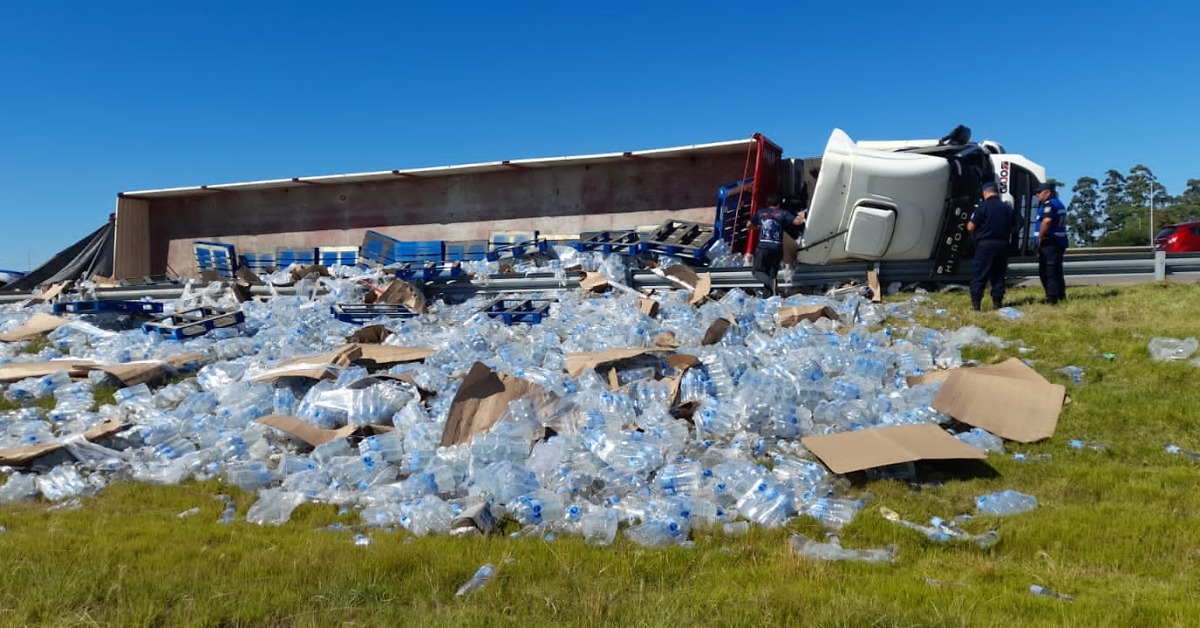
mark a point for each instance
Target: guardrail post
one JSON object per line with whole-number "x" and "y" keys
{"x": 1160, "y": 265}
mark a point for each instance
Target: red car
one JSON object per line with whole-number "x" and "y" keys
{"x": 1181, "y": 238}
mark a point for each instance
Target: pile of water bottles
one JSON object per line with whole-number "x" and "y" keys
{"x": 671, "y": 447}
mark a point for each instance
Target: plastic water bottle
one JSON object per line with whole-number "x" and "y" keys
{"x": 477, "y": 581}
{"x": 1006, "y": 502}
{"x": 1038, "y": 589}
{"x": 1175, "y": 449}
{"x": 1081, "y": 445}
{"x": 807, "y": 548}
{"x": 1022, "y": 457}
{"x": 657, "y": 533}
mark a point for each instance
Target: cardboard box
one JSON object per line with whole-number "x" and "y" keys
{"x": 846, "y": 452}
{"x": 480, "y": 401}
{"x": 26, "y": 454}
{"x": 39, "y": 324}
{"x": 1008, "y": 399}
{"x": 593, "y": 282}
{"x": 400, "y": 292}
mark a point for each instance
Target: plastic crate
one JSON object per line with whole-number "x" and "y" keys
{"x": 363, "y": 312}
{"x": 194, "y": 322}
{"x": 514, "y": 311}
{"x": 337, "y": 255}
{"x": 215, "y": 256}
{"x": 287, "y": 255}
{"x": 109, "y": 305}
{"x": 429, "y": 271}
{"x": 625, "y": 242}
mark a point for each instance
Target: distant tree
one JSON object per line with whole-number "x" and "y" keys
{"x": 1113, "y": 189}
{"x": 1085, "y": 216}
{"x": 1191, "y": 195}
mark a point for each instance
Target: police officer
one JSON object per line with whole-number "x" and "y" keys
{"x": 772, "y": 222}
{"x": 992, "y": 225}
{"x": 1051, "y": 242}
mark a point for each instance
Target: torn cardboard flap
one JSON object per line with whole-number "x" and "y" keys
{"x": 1009, "y": 400}
{"x": 649, "y": 307}
{"x": 791, "y": 316}
{"x": 666, "y": 340}
{"x": 308, "y": 433}
{"x": 846, "y": 452}
{"x": 51, "y": 293}
{"x": 134, "y": 373}
{"x": 300, "y": 272}
{"x": 384, "y": 355}
{"x": 699, "y": 284}
{"x": 249, "y": 277}
{"x": 316, "y": 371}
{"x": 480, "y": 401}
{"x": 342, "y": 356}
{"x": 370, "y": 335}
{"x": 593, "y": 282}
{"x": 716, "y": 331}
{"x": 17, "y": 371}
{"x": 400, "y": 292}
{"x": 873, "y": 283}
{"x": 37, "y": 325}
{"x": 22, "y": 456}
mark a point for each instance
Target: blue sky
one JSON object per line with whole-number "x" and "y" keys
{"x": 99, "y": 98}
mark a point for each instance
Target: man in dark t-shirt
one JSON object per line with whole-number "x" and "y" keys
{"x": 772, "y": 222}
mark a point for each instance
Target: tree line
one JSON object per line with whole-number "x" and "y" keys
{"x": 1116, "y": 212}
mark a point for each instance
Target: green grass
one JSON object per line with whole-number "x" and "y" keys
{"x": 1118, "y": 529}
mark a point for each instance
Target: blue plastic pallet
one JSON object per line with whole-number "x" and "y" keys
{"x": 513, "y": 311}
{"x": 625, "y": 242}
{"x": 215, "y": 256}
{"x": 337, "y": 255}
{"x": 466, "y": 252}
{"x": 518, "y": 249}
{"x": 194, "y": 322}
{"x": 287, "y": 255}
{"x": 363, "y": 312}
{"x": 108, "y": 305}
{"x": 429, "y": 271}
{"x": 688, "y": 241}
{"x": 258, "y": 262}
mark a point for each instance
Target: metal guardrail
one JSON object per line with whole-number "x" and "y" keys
{"x": 1087, "y": 263}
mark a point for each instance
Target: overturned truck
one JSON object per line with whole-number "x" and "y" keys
{"x": 882, "y": 200}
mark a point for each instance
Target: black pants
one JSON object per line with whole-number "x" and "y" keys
{"x": 766, "y": 267}
{"x": 1050, "y": 270}
{"x": 991, "y": 263}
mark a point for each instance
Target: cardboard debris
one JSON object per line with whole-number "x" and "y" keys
{"x": 666, "y": 340}
{"x": 306, "y": 432}
{"x": 479, "y": 402}
{"x": 17, "y": 371}
{"x": 1008, "y": 399}
{"x": 386, "y": 355}
{"x": 249, "y": 277}
{"x": 791, "y": 316}
{"x": 593, "y": 282}
{"x": 716, "y": 331}
{"x": 316, "y": 370}
{"x": 51, "y": 293}
{"x": 37, "y": 325}
{"x": 699, "y": 284}
{"x": 371, "y": 335}
{"x": 22, "y": 456}
{"x": 342, "y": 356}
{"x": 846, "y": 452}
{"x": 105, "y": 282}
{"x": 873, "y": 283}
{"x": 649, "y": 307}
{"x": 300, "y": 272}
{"x": 580, "y": 363}
{"x": 400, "y": 292}
{"x": 134, "y": 373}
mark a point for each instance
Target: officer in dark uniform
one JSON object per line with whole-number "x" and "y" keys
{"x": 772, "y": 222}
{"x": 1051, "y": 242}
{"x": 992, "y": 225}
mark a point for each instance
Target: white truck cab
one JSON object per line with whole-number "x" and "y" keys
{"x": 903, "y": 200}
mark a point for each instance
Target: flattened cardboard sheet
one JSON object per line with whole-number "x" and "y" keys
{"x": 846, "y": 452}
